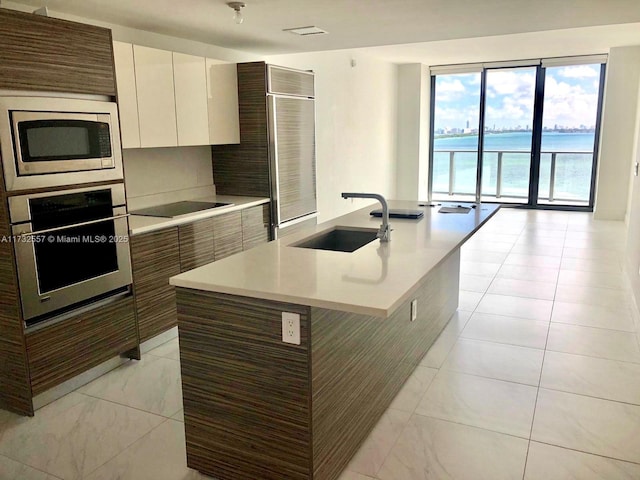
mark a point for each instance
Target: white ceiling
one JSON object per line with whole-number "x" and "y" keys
{"x": 350, "y": 23}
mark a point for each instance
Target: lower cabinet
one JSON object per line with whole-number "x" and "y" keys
{"x": 158, "y": 256}
{"x": 227, "y": 234}
{"x": 155, "y": 258}
{"x": 196, "y": 244}
{"x": 67, "y": 348}
{"x": 256, "y": 225}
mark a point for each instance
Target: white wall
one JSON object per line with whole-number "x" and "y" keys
{"x": 632, "y": 257}
{"x": 150, "y": 172}
{"x": 413, "y": 132}
{"x": 355, "y": 126}
{"x": 617, "y": 133}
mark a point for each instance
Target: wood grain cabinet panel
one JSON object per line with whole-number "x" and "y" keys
{"x": 196, "y": 244}
{"x": 256, "y": 224}
{"x": 49, "y": 54}
{"x": 256, "y": 407}
{"x": 227, "y": 234}
{"x": 15, "y": 390}
{"x": 155, "y": 258}
{"x": 72, "y": 346}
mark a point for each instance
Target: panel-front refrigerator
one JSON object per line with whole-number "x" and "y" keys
{"x": 292, "y": 149}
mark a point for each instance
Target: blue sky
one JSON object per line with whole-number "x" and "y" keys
{"x": 571, "y": 97}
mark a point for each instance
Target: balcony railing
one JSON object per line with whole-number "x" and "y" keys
{"x": 565, "y": 176}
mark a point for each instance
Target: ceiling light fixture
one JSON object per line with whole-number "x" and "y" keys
{"x": 237, "y": 9}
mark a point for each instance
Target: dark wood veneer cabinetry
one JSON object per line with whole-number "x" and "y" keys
{"x": 15, "y": 387}
{"x": 259, "y": 408}
{"x": 158, "y": 256}
{"x": 53, "y": 55}
{"x": 72, "y": 346}
{"x": 227, "y": 234}
{"x": 196, "y": 244}
{"x": 255, "y": 226}
{"x": 155, "y": 258}
{"x": 243, "y": 169}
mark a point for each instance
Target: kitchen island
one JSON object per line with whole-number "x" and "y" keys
{"x": 259, "y": 408}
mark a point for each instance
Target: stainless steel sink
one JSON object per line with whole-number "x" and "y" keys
{"x": 340, "y": 239}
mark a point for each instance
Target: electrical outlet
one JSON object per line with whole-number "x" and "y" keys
{"x": 414, "y": 309}
{"x": 291, "y": 328}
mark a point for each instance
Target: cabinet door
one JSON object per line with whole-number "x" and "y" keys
{"x": 156, "y": 98}
{"x": 255, "y": 226}
{"x": 190, "y": 78}
{"x": 127, "y": 97}
{"x": 227, "y": 234}
{"x": 155, "y": 258}
{"x": 222, "y": 93}
{"x": 196, "y": 244}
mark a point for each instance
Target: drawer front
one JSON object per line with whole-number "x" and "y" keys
{"x": 66, "y": 349}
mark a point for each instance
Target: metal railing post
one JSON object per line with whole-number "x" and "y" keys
{"x": 499, "y": 176}
{"x": 452, "y": 164}
{"x": 552, "y": 176}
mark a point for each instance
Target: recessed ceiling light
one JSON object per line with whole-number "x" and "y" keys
{"x": 311, "y": 30}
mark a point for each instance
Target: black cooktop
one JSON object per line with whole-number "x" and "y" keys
{"x": 177, "y": 209}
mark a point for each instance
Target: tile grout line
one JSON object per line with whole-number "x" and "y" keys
{"x": 586, "y": 452}
{"x": 127, "y": 447}
{"x": 544, "y": 354}
{"x": 38, "y": 469}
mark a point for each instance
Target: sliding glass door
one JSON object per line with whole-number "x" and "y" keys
{"x": 508, "y": 123}
{"x": 455, "y": 149}
{"x": 522, "y": 134}
{"x": 570, "y": 118}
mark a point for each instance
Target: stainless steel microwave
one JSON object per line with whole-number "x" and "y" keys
{"x": 48, "y": 142}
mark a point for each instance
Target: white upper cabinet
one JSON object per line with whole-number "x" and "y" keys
{"x": 170, "y": 99}
{"x": 156, "y": 98}
{"x": 189, "y": 74}
{"x": 127, "y": 98}
{"x": 222, "y": 93}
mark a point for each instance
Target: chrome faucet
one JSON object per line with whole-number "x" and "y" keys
{"x": 384, "y": 233}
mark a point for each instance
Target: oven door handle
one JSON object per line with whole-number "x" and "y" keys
{"x": 65, "y": 227}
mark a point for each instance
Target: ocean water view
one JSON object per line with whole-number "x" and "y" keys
{"x": 573, "y": 165}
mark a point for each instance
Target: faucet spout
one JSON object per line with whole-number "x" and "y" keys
{"x": 384, "y": 233}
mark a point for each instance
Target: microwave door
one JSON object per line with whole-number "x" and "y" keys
{"x": 49, "y": 142}
{"x": 58, "y": 143}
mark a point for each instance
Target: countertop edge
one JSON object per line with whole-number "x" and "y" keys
{"x": 182, "y": 220}
{"x": 310, "y": 302}
{"x": 326, "y": 304}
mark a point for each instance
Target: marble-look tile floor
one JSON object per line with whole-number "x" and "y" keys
{"x": 537, "y": 377}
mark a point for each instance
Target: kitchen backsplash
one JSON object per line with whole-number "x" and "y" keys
{"x": 153, "y": 175}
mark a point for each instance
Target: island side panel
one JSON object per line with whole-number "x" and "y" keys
{"x": 246, "y": 393}
{"x": 359, "y": 364}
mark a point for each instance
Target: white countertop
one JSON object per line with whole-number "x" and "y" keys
{"x": 374, "y": 280}
{"x": 142, "y": 224}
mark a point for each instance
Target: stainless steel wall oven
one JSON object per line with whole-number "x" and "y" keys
{"x": 70, "y": 246}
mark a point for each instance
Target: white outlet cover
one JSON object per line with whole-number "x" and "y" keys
{"x": 414, "y": 309}
{"x": 291, "y": 328}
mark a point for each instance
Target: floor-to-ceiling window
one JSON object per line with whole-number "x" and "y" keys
{"x": 521, "y": 133}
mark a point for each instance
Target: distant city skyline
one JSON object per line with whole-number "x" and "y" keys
{"x": 571, "y": 100}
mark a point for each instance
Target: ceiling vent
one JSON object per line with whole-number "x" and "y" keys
{"x": 304, "y": 31}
